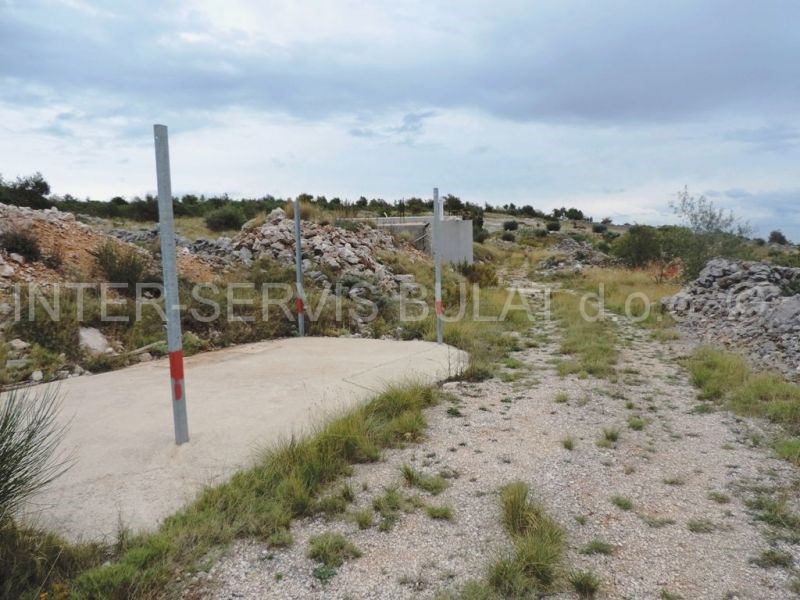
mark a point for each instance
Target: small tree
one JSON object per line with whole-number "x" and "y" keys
{"x": 227, "y": 217}
{"x": 553, "y": 226}
{"x": 452, "y": 204}
{"x": 777, "y": 237}
{"x": 715, "y": 232}
{"x": 510, "y": 225}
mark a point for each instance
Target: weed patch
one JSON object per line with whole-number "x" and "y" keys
{"x": 434, "y": 484}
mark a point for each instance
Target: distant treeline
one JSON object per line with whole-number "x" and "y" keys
{"x": 34, "y": 191}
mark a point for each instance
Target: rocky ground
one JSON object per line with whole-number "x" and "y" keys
{"x": 752, "y": 306}
{"x": 691, "y": 476}
{"x": 572, "y": 256}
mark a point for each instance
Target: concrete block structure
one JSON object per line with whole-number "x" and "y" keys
{"x": 456, "y": 235}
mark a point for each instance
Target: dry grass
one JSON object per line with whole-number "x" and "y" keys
{"x": 725, "y": 377}
{"x": 633, "y": 287}
{"x": 591, "y": 343}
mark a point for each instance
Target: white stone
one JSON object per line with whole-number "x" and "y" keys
{"x": 37, "y": 376}
{"x": 17, "y": 258}
{"x": 18, "y": 345}
{"x": 93, "y": 341}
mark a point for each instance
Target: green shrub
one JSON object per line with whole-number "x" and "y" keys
{"x": 716, "y": 372}
{"x": 538, "y": 545}
{"x": 777, "y": 237}
{"x": 22, "y": 242}
{"x": 225, "y": 218}
{"x": 29, "y": 438}
{"x": 484, "y": 274}
{"x": 59, "y": 334}
{"x": 434, "y": 484}
{"x": 122, "y": 265}
{"x": 331, "y": 549}
{"x": 480, "y": 235}
{"x": 585, "y": 583}
{"x": 507, "y": 236}
{"x": 35, "y": 565}
{"x": 553, "y": 226}
{"x": 510, "y": 225}
{"x": 599, "y": 227}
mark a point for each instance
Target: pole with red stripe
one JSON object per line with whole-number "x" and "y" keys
{"x": 437, "y": 263}
{"x": 166, "y": 230}
{"x": 298, "y": 261}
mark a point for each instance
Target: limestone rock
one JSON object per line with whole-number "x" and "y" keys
{"x": 93, "y": 341}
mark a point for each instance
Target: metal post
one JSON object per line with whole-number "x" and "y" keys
{"x": 171, "y": 300}
{"x": 437, "y": 262}
{"x": 298, "y": 260}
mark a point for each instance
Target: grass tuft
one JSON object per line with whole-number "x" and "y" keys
{"x": 585, "y": 583}
{"x": 440, "y": 512}
{"x": 622, "y": 502}
{"x": 701, "y": 526}
{"x": 539, "y": 546}
{"x": 597, "y": 546}
{"x": 773, "y": 559}
{"x": 331, "y": 549}
{"x": 434, "y": 484}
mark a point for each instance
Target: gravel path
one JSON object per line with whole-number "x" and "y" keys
{"x": 514, "y": 429}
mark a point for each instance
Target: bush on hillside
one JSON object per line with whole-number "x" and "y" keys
{"x": 777, "y": 237}
{"x": 553, "y": 226}
{"x": 508, "y": 236}
{"x": 599, "y": 227}
{"x": 122, "y": 265}
{"x": 225, "y": 218}
{"x": 22, "y": 242}
{"x": 484, "y": 274}
{"x": 480, "y": 235}
{"x": 510, "y": 225}
{"x": 56, "y": 331}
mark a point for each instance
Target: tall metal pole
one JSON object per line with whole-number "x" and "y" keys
{"x": 166, "y": 231}
{"x": 437, "y": 262}
{"x": 298, "y": 260}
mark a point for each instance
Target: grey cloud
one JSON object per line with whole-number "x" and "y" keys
{"x": 771, "y": 137}
{"x": 606, "y": 62}
{"x": 764, "y": 209}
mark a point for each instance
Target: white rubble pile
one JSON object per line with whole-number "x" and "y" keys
{"x": 325, "y": 248}
{"x": 751, "y": 306}
{"x": 572, "y": 255}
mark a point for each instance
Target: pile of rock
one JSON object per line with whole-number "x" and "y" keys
{"x": 325, "y": 248}
{"x": 571, "y": 255}
{"x": 749, "y": 305}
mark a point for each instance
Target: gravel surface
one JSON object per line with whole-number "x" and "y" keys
{"x": 515, "y": 429}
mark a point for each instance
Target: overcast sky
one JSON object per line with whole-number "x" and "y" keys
{"x": 608, "y": 106}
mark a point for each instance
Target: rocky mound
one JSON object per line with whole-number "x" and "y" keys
{"x": 326, "y": 248}
{"x": 750, "y": 305}
{"x": 67, "y": 247}
{"x": 572, "y": 255}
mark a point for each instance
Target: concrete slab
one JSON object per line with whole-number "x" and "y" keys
{"x": 240, "y": 400}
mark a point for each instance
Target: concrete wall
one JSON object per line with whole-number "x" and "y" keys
{"x": 457, "y": 241}
{"x": 456, "y": 234}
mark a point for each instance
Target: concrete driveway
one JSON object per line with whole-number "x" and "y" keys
{"x": 127, "y": 469}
